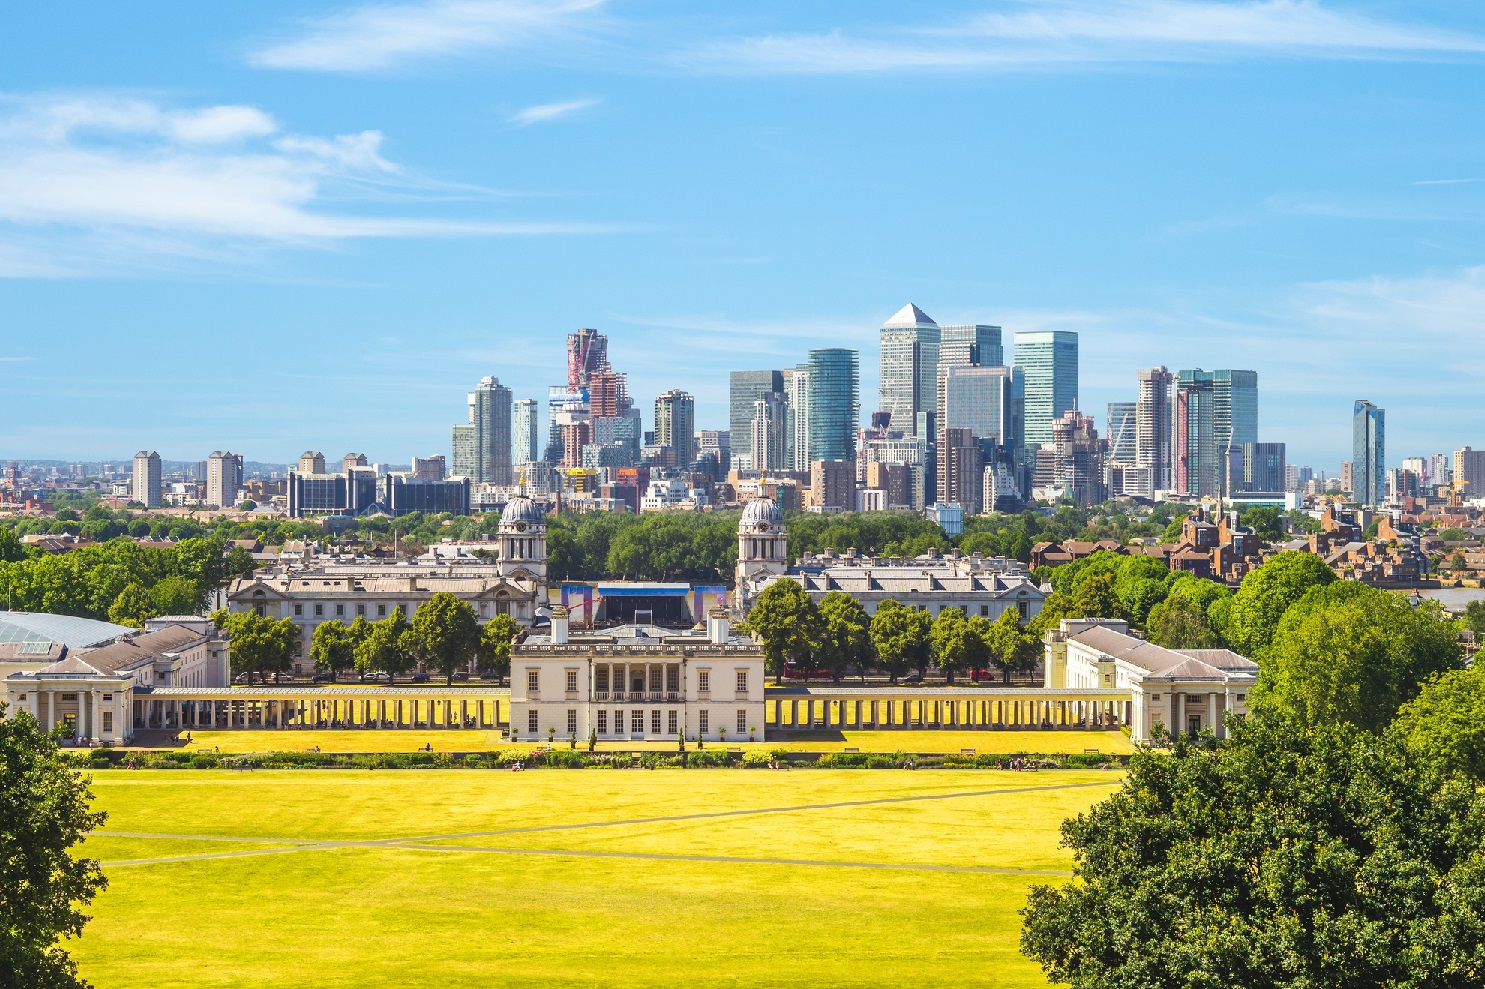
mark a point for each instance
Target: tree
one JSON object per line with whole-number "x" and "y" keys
{"x": 845, "y": 635}
{"x": 1446, "y": 722}
{"x": 1180, "y": 623}
{"x": 1356, "y": 660}
{"x": 786, "y": 621}
{"x": 1474, "y": 618}
{"x": 44, "y": 813}
{"x": 247, "y": 505}
{"x": 132, "y": 607}
{"x": 260, "y": 644}
{"x": 240, "y": 562}
{"x": 1266, "y": 593}
{"x": 1292, "y": 856}
{"x": 1010, "y": 647}
{"x": 448, "y": 632}
{"x": 495, "y": 643}
{"x": 333, "y": 648}
{"x": 389, "y": 647}
{"x": 1095, "y": 598}
{"x": 175, "y": 596}
{"x": 956, "y": 646}
{"x": 900, "y": 635}
{"x": 1458, "y": 563}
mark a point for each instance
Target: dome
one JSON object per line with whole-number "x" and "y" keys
{"x": 520, "y": 509}
{"x": 762, "y": 510}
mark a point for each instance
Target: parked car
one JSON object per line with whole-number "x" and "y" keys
{"x": 420, "y": 678}
{"x": 324, "y": 678}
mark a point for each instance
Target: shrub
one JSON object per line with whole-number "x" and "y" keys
{"x": 707, "y": 760}
{"x": 754, "y": 759}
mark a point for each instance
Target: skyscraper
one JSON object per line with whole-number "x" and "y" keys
{"x": 525, "y": 431}
{"x": 797, "y": 416}
{"x": 1368, "y": 452}
{"x": 223, "y": 478}
{"x": 1197, "y": 464}
{"x": 909, "y": 383}
{"x": 1123, "y": 426}
{"x": 768, "y": 439}
{"x": 745, "y": 388}
{"x": 490, "y": 415}
{"x": 1152, "y": 428}
{"x": 675, "y": 425}
{"x": 146, "y": 485}
{"x": 1049, "y": 360}
{"x": 965, "y": 346}
{"x": 834, "y": 403}
{"x": 982, "y": 400}
{"x": 1469, "y": 470}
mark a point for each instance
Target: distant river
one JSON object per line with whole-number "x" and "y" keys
{"x": 1454, "y": 598}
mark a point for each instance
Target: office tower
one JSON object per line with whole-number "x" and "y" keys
{"x": 675, "y": 425}
{"x": 465, "y": 459}
{"x": 1257, "y": 467}
{"x": 1368, "y": 452}
{"x": 490, "y": 412}
{"x": 145, "y": 488}
{"x": 1049, "y": 360}
{"x": 767, "y": 440}
{"x": 1198, "y": 463}
{"x": 1440, "y": 469}
{"x": 1122, "y": 434}
{"x": 968, "y": 345}
{"x": 1469, "y": 471}
{"x": 429, "y": 468}
{"x": 909, "y": 384}
{"x": 525, "y": 430}
{"x": 962, "y": 470}
{"x": 745, "y": 388}
{"x": 982, "y": 400}
{"x": 1152, "y": 428}
{"x": 223, "y": 478}
{"x": 622, "y": 433}
{"x": 797, "y": 415}
{"x": 1234, "y": 405}
{"x": 834, "y": 403}
{"x": 311, "y": 462}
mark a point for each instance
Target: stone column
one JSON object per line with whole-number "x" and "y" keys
{"x": 1212, "y": 714}
{"x": 95, "y": 713}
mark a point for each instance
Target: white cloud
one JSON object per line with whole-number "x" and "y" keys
{"x": 549, "y": 111}
{"x": 122, "y": 180}
{"x": 1076, "y": 32}
{"x": 377, "y": 36}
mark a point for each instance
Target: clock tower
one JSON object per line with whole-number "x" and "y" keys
{"x": 762, "y": 549}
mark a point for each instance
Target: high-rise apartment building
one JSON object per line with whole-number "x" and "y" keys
{"x": 961, "y": 470}
{"x": 1049, "y": 361}
{"x": 1440, "y": 469}
{"x": 834, "y": 403}
{"x": 145, "y": 488}
{"x": 1469, "y": 471}
{"x": 1348, "y": 477}
{"x": 767, "y": 439}
{"x": 223, "y": 478}
{"x": 1368, "y": 452}
{"x": 525, "y": 418}
{"x": 1123, "y": 426}
{"x": 465, "y": 459}
{"x": 675, "y": 425}
{"x": 1152, "y": 428}
{"x": 311, "y": 462}
{"x": 490, "y": 408}
{"x": 1418, "y": 467}
{"x": 353, "y": 460}
{"x": 745, "y": 388}
{"x": 909, "y": 380}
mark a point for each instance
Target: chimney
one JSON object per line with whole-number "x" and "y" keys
{"x": 718, "y": 626}
{"x": 559, "y": 625}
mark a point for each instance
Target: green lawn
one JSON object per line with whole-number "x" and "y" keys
{"x": 370, "y": 740}
{"x": 565, "y": 878}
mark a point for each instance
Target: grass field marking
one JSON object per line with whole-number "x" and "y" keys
{"x": 732, "y": 859}
{"x": 213, "y": 855}
{"x": 205, "y": 837}
{"x": 756, "y": 810}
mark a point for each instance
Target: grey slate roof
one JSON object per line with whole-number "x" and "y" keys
{"x": 1162, "y": 662}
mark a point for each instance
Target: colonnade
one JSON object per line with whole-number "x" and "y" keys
{"x": 182, "y": 708}
{"x": 969, "y": 709}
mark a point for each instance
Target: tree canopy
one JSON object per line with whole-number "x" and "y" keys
{"x": 1446, "y": 722}
{"x": 1266, "y": 593}
{"x": 786, "y": 622}
{"x": 900, "y": 635}
{"x": 448, "y": 633}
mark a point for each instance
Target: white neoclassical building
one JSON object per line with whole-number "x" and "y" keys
{"x": 762, "y": 550}
{"x": 1187, "y": 690}
{"x": 637, "y": 683}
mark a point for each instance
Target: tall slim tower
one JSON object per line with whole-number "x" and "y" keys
{"x": 1123, "y": 417}
{"x": 909, "y": 381}
{"x": 745, "y": 388}
{"x": 834, "y": 403}
{"x": 146, "y": 485}
{"x": 675, "y": 425}
{"x": 1368, "y": 452}
{"x": 525, "y": 431}
{"x": 1152, "y": 428}
{"x": 1049, "y": 359}
{"x": 223, "y": 478}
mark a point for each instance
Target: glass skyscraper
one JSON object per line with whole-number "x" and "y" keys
{"x": 834, "y": 403}
{"x": 744, "y": 390}
{"x": 526, "y": 431}
{"x": 1368, "y": 452}
{"x": 909, "y": 385}
{"x": 1123, "y": 418}
{"x": 1049, "y": 360}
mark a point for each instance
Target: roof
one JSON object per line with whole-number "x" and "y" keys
{"x": 1189, "y": 664}
{"x": 907, "y": 317}
{"x": 130, "y": 652}
{"x": 73, "y": 632}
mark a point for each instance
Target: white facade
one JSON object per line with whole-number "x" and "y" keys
{"x": 637, "y": 683}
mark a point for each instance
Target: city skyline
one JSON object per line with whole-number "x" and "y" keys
{"x": 345, "y": 210}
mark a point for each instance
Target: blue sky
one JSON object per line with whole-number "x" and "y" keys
{"x": 270, "y": 227}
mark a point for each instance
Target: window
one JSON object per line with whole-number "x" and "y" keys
{"x": 1242, "y": 697}
{"x": 259, "y": 610}
{"x": 701, "y": 722}
{"x": 1154, "y": 697}
{"x": 381, "y": 611}
{"x": 703, "y": 680}
{"x": 672, "y": 679}
{"x": 298, "y": 610}
{"x": 339, "y": 611}
{"x": 603, "y": 722}
{"x": 742, "y": 721}
{"x": 654, "y": 722}
{"x": 319, "y": 611}
{"x": 1024, "y": 607}
{"x": 618, "y": 722}
{"x": 533, "y": 681}
{"x": 742, "y": 681}
{"x": 572, "y": 721}
{"x": 655, "y": 674}
{"x": 670, "y": 724}
{"x": 531, "y": 722}
{"x": 600, "y": 678}
{"x": 637, "y": 721}
{"x": 360, "y": 609}
{"x": 108, "y": 721}
{"x": 984, "y": 611}
{"x": 572, "y": 681}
